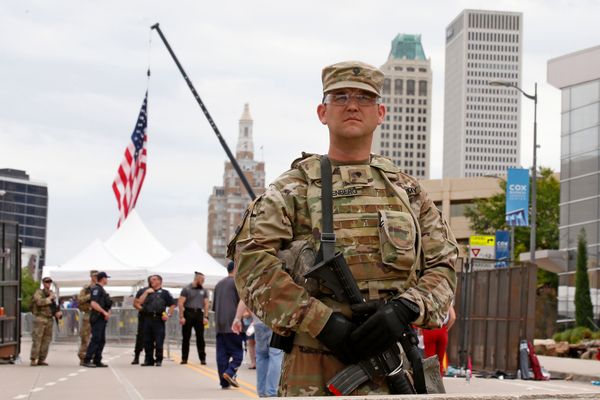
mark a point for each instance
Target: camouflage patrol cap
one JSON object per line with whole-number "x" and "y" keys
{"x": 352, "y": 74}
{"x": 93, "y": 273}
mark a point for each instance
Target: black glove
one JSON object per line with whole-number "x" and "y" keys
{"x": 384, "y": 328}
{"x": 335, "y": 335}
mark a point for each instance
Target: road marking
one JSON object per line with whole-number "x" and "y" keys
{"x": 62, "y": 379}
{"x": 21, "y": 396}
{"x": 212, "y": 374}
{"x": 72, "y": 374}
{"x": 37, "y": 389}
{"x": 50, "y": 383}
{"x": 129, "y": 388}
{"x": 82, "y": 370}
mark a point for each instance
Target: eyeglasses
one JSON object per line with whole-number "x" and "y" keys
{"x": 342, "y": 99}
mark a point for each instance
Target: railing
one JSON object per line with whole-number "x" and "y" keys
{"x": 121, "y": 328}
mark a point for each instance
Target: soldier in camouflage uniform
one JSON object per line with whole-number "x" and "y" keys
{"x": 44, "y": 310}
{"x": 398, "y": 247}
{"x": 84, "y": 305}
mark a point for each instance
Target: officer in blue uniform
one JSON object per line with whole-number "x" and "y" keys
{"x": 101, "y": 304}
{"x": 155, "y": 301}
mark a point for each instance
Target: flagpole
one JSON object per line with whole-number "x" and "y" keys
{"x": 207, "y": 115}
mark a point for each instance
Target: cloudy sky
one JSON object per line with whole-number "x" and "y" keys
{"x": 73, "y": 75}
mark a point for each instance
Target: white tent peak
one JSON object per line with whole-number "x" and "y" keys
{"x": 134, "y": 245}
{"x": 94, "y": 256}
{"x": 180, "y": 267}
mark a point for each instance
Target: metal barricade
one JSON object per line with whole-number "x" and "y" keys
{"x": 121, "y": 327}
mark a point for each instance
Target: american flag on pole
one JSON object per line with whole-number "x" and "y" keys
{"x": 132, "y": 171}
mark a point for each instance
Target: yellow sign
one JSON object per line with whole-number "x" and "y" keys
{"x": 482, "y": 241}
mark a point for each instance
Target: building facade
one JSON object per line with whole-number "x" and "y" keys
{"x": 453, "y": 195}
{"x": 577, "y": 75}
{"x": 481, "y": 121}
{"x": 405, "y": 135}
{"x": 26, "y": 202}
{"x": 228, "y": 202}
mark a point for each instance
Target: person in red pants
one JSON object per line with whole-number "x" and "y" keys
{"x": 436, "y": 340}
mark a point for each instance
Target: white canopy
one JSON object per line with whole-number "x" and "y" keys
{"x": 134, "y": 245}
{"x": 178, "y": 270}
{"x": 76, "y": 271}
{"x": 126, "y": 257}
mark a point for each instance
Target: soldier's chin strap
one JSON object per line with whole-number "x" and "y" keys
{"x": 327, "y": 248}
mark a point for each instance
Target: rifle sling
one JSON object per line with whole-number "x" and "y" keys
{"x": 327, "y": 235}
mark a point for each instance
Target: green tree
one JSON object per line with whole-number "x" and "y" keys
{"x": 28, "y": 287}
{"x": 584, "y": 311}
{"x": 488, "y": 215}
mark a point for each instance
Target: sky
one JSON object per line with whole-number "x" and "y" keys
{"x": 73, "y": 76}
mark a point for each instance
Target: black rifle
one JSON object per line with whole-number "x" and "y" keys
{"x": 55, "y": 307}
{"x": 335, "y": 275}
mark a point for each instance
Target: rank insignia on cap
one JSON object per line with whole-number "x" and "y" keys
{"x": 356, "y": 70}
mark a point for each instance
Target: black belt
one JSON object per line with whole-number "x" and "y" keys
{"x": 194, "y": 309}
{"x": 152, "y": 314}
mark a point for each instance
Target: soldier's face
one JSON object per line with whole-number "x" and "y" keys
{"x": 351, "y": 121}
{"x": 155, "y": 282}
{"x": 199, "y": 280}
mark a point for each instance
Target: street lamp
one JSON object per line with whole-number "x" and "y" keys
{"x": 532, "y": 238}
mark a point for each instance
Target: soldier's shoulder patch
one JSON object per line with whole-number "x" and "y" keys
{"x": 95, "y": 291}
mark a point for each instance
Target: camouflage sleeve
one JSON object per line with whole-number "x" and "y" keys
{"x": 41, "y": 300}
{"x": 435, "y": 287}
{"x": 85, "y": 295}
{"x": 263, "y": 285}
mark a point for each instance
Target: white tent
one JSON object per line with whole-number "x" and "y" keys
{"x": 76, "y": 271}
{"x": 135, "y": 246}
{"x": 178, "y": 270}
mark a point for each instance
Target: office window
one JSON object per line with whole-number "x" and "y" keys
{"x": 410, "y": 87}
{"x": 398, "y": 86}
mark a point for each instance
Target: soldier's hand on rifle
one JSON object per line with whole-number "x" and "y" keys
{"x": 384, "y": 328}
{"x": 335, "y": 335}
{"x": 52, "y": 296}
{"x": 58, "y": 315}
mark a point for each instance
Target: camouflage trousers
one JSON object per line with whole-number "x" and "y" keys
{"x": 306, "y": 371}
{"x": 41, "y": 337}
{"x": 84, "y": 334}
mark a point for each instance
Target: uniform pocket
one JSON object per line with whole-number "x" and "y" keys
{"x": 397, "y": 239}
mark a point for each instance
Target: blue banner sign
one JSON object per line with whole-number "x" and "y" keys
{"x": 517, "y": 197}
{"x": 502, "y": 248}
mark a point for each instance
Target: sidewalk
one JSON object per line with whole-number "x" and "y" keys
{"x": 571, "y": 368}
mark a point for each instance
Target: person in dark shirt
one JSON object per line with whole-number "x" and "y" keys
{"x": 230, "y": 350}
{"x": 139, "y": 336}
{"x": 193, "y": 313}
{"x": 155, "y": 301}
{"x": 101, "y": 304}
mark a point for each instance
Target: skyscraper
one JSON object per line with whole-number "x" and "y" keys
{"x": 404, "y": 136}
{"x": 26, "y": 202}
{"x": 577, "y": 75}
{"x": 228, "y": 202}
{"x": 481, "y": 122}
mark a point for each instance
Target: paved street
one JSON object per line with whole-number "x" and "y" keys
{"x": 65, "y": 380}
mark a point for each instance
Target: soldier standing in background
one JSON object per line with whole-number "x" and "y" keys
{"x": 193, "y": 313}
{"x": 84, "y": 305}
{"x": 44, "y": 309}
{"x": 101, "y": 304}
{"x": 394, "y": 240}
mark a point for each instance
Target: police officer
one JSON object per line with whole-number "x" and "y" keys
{"x": 193, "y": 313}
{"x": 155, "y": 301}
{"x": 44, "y": 308}
{"x": 396, "y": 244}
{"x": 139, "y": 336}
{"x": 101, "y": 304}
{"x": 84, "y": 305}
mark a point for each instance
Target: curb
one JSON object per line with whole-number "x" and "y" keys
{"x": 573, "y": 377}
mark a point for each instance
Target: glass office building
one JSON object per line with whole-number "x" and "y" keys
{"x": 25, "y": 202}
{"x": 577, "y": 75}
